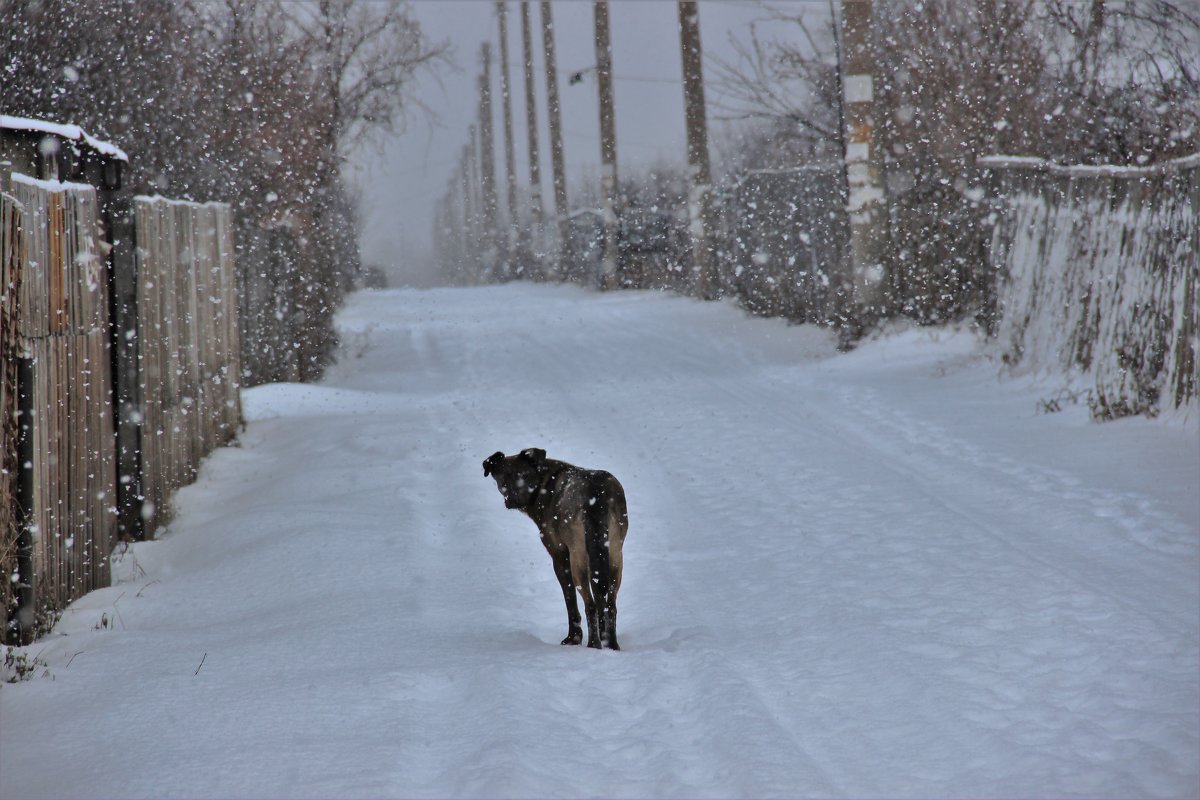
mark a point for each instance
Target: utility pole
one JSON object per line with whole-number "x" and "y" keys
{"x": 535, "y": 172}
{"x": 510, "y": 167}
{"x": 561, "y": 208}
{"x": 464, "y": 168}
{"x": 864, "y": 201}
{"x": 487, "y": 163}
{"x": 608, "y": 145}
{"x": 453, "y": 246}
{"x": 467, "y": 248}
{"x": 700, "y": 216}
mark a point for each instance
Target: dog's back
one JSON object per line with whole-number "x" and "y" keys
{"x": 590, "y": 515}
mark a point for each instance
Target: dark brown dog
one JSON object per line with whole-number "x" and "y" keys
{"x": 582, "y": 518}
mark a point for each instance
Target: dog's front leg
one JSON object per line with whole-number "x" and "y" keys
{"x": 562, "y": 570}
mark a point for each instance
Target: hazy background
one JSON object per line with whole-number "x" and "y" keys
{"x": 400, "y": 179}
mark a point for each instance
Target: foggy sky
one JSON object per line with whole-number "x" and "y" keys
{"x": 401, "y": 178}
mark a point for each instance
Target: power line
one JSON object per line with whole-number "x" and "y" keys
{"x": 579, "y": 72}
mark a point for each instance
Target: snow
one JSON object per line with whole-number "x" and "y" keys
{"x": 51, "y": 186}
{"x": 873, "y": 574}
{"x": 158, "y": 198}
{"x": 72, "y": 132}
{"x": 1118, "y": 170}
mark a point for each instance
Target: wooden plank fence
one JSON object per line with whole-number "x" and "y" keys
{"x": 65, "y": 445}
{"x": 59, "y": 517}
{"x": 12, "y": 257}
{"x": 189, "y": 346}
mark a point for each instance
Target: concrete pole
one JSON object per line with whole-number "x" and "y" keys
{"x": 510, "y": 161}
{"x": 535, "y": 170}
{"x": 865, "y": 196}
{"x": 608, "y": 145}
{"x": 490, "y": 254}
{"x": 700, "y": 214}
{"x": 561, "y": 207}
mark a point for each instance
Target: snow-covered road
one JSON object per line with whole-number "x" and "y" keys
{"x": 873, "y": 574}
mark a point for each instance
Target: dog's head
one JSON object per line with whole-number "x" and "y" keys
{"x": 518, "y": 476}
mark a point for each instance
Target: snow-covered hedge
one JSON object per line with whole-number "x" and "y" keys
{"x": 1099, "y": 270}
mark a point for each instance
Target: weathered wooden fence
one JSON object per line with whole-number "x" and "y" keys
{"x": 12, "y": 257}
{"x": 189, "y": 346}
{"x": 1099, "y": 271}
{"x": 59, "y": 520}
{"x": 65, "y": 443}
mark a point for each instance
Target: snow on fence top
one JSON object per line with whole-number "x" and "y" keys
{"x": 50, "y": 186}
{"x": 1115, "y": 170}
{"x": 158, "y": 198}
{"x": 72, "y": 132}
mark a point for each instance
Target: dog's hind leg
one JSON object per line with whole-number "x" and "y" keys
{"x": 608, "y": 618}
{"x": 562, "y": 571}
{"x": 592, "y": 608}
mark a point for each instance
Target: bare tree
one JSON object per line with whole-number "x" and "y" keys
{"x": 784, "y": 86}
{"x": 1128, "y": 83}
{"x": 254, "y": 102}
{"x": 364, "y": 58}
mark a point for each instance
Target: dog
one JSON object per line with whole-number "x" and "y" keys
{"x": 582, "y": 518}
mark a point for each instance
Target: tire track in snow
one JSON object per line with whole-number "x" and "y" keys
{"x": 943, "y": 461}
{"x": 990, "y": 700}
{"x": 805, "y": 451}
{"x": 563, "y": 402}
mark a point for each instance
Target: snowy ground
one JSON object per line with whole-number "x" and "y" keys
{"x": 874, "y": 574}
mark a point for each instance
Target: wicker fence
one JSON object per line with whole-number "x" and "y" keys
{"x": 59, "y": 517}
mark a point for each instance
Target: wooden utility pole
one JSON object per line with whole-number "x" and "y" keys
{"x": 700, "y": 216}
{"x": 535, "y": 171}
{"x": 464, "y": 166}
{"x": 510, "y": 161}
{"x": 608, "y": 145}
{"x": 561, "y": 209}
{"x": 487, "y": 164}
{"x": 864, "y": 201}
{"x": 467, "y": 247}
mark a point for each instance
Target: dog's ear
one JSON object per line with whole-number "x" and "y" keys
{"x": 492, "y": 462}
{"x": 534, "y": 454}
